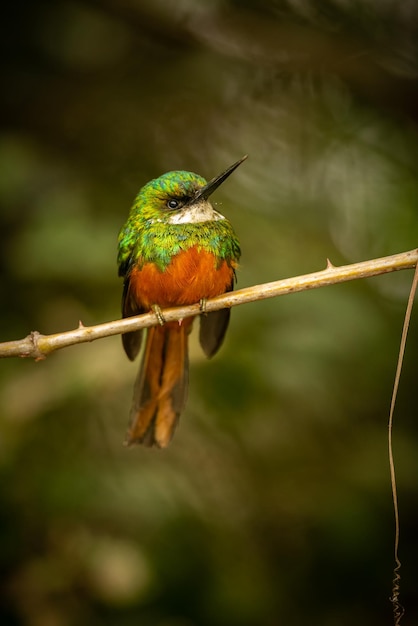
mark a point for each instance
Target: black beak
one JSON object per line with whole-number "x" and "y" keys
{"x": 213, "y": 184}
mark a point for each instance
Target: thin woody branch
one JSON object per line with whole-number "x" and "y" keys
{"x": 38, "y": 346}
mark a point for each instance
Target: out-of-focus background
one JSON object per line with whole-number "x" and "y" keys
{"x": 273, "y": 504}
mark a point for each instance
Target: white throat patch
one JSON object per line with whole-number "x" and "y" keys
{"x": 201, "y": 211}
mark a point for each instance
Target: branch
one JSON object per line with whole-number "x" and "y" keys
{"x": 38, "y": 346}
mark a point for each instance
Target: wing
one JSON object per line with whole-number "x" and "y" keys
{"x": 130, "y": 341}
{"x": 213, "y": 327}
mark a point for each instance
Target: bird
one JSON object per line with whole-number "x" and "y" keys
{"x": 174, "y": 249}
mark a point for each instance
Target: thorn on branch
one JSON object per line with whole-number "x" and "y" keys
{"x": 330, "y": 265}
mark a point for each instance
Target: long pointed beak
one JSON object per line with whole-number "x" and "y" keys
{"x": 213, "y": 184}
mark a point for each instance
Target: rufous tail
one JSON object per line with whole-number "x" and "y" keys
{"x": 161, "y": 385}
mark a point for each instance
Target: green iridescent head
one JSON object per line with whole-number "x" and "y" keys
{"x": 168, "y": 192}
{"x": 176, "y": 183}
{"x": 175, "y": 190}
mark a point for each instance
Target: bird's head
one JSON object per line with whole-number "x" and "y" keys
{"x": 180, "y": 197}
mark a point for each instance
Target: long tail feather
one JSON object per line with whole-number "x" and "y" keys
{"x": 161, "y": 386}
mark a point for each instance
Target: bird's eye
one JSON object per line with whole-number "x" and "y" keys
{"x": 173, "y": 204}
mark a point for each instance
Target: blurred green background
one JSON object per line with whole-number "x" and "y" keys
{"x": 272, "y": 505}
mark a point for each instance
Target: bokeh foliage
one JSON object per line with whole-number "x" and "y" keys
{"x": 272, "y": 505}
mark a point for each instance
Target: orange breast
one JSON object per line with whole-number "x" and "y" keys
{"x": 191, "y": 276}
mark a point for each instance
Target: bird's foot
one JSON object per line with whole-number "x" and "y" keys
{"x": 202, "y": 305}
{"x": 158, "y": 314}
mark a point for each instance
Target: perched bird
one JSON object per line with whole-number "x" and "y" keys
{"x": 175, "y": 249}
